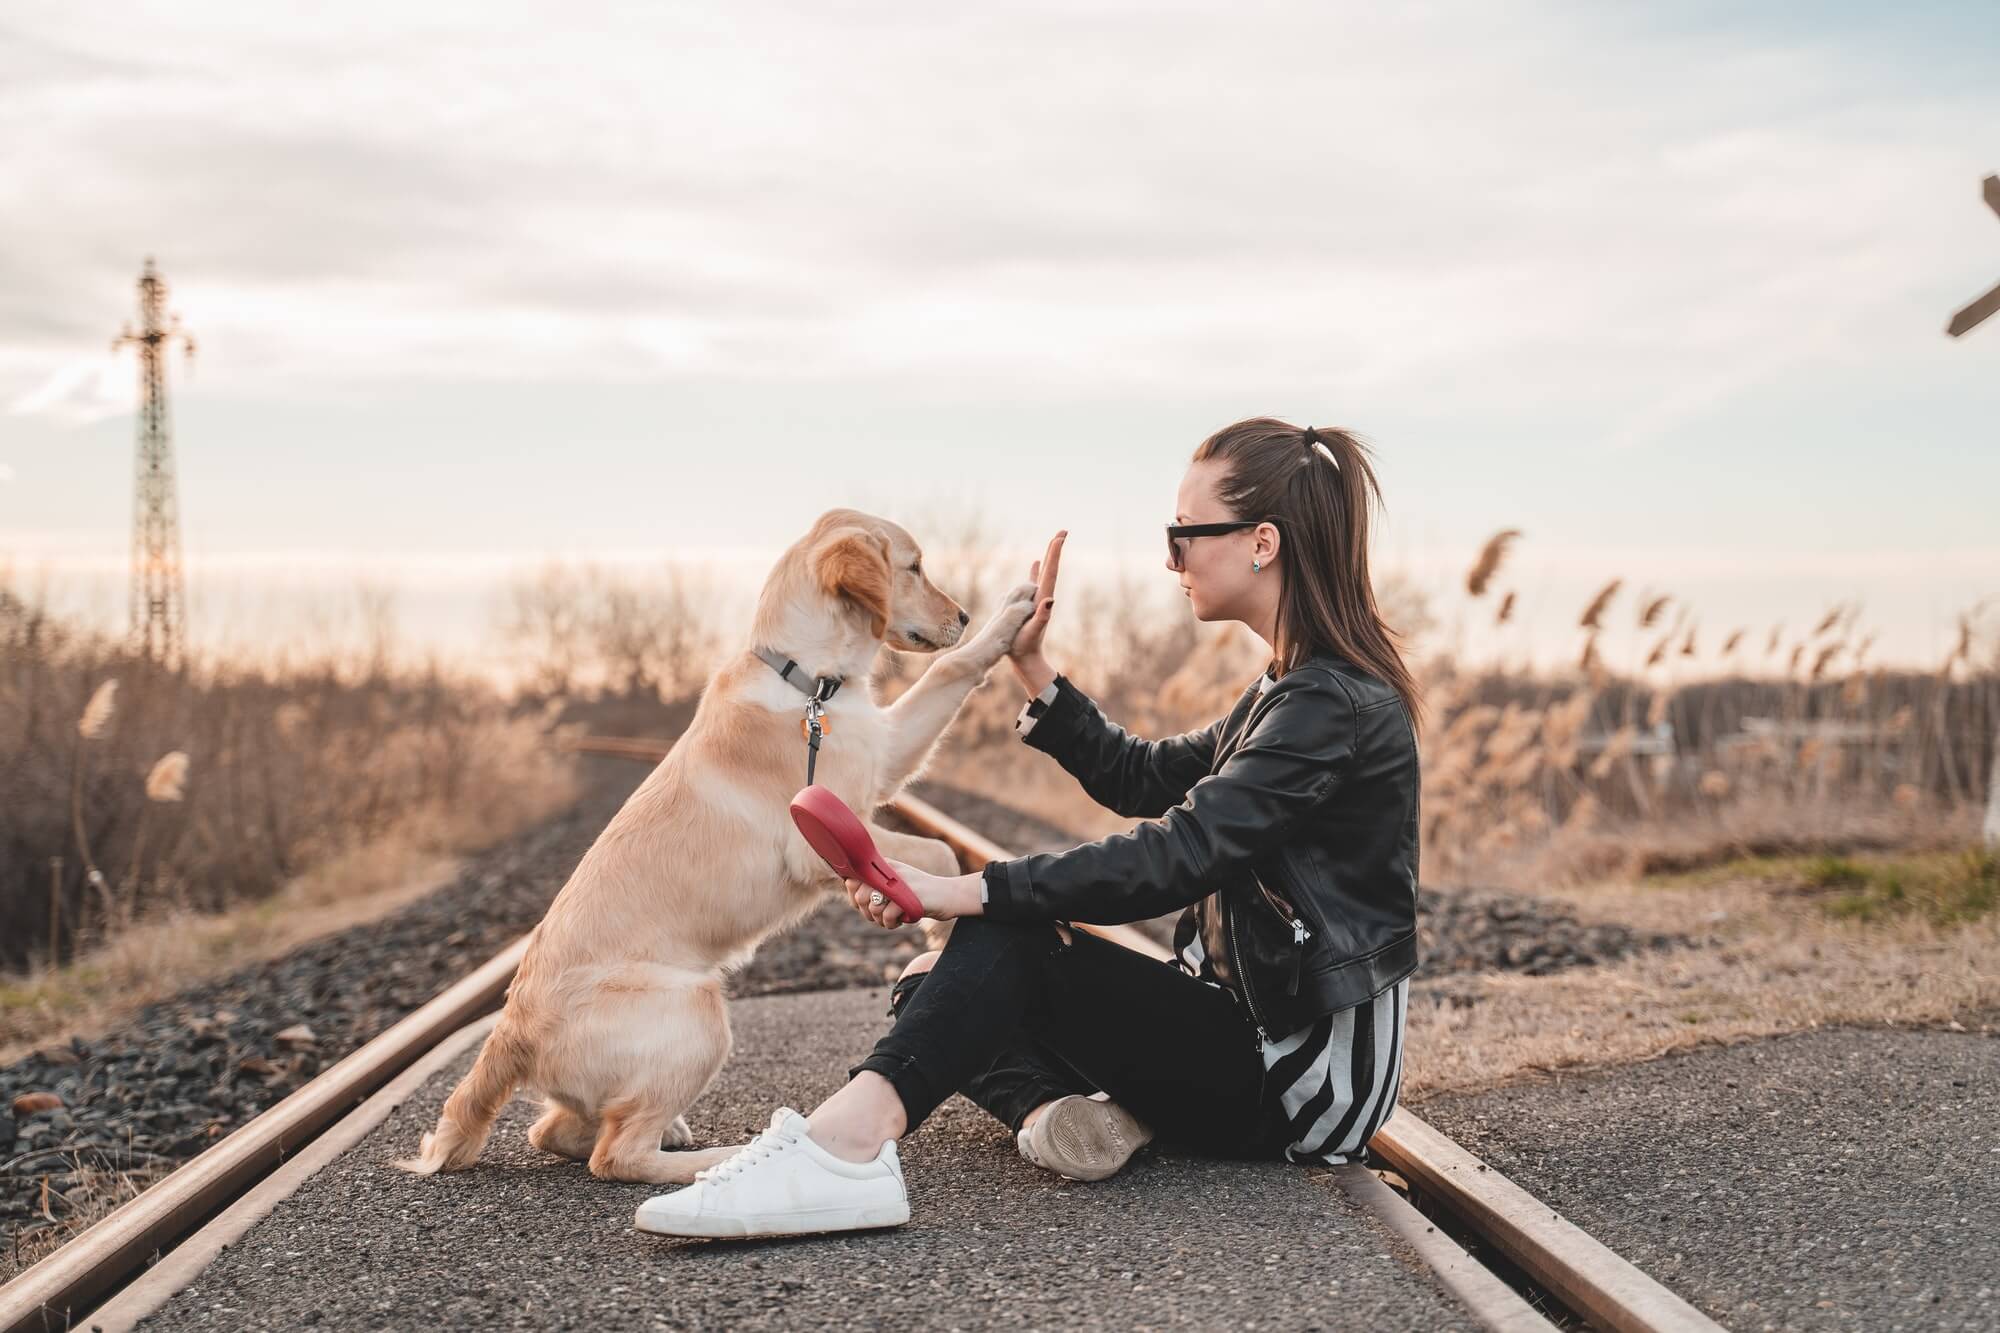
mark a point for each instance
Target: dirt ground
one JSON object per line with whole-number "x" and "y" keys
{"x": 1770, "y": 958}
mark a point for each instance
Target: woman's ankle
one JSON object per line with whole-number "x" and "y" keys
{"x": 847, "y": 1143}
{"x": 855, "y": 1122}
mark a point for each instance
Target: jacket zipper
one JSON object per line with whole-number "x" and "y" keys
{"x": 1236, "y": 958}
{"x": 1303, "y": 897}
{"x": 1299, "y": 932}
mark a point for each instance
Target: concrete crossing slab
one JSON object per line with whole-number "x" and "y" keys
{"x": 1840, "y": 1178}
{"x": 525, "y": 1241}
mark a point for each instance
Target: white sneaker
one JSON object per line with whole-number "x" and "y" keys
{"x": 1083, "y": 1138}
{"x": 781, "y": 1183}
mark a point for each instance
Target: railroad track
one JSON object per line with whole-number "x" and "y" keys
{"x": 166, "y": 1235}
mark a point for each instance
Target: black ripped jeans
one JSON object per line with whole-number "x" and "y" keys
{"x": 1012, "y": 1017}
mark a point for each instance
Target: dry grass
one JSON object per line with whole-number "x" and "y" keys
{"x": 1777, "y": 960}
{"x": 157, "y": 827}
{"x": 99, "y": 1190}
{"x": 156, "y": 959}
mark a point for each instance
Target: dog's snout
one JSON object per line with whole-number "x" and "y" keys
{"x": 963, "y": 619}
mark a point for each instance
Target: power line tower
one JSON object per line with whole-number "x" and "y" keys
{"x": 159, "y": 596}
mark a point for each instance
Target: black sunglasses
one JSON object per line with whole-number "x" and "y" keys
{"x": 1179, "y": 534}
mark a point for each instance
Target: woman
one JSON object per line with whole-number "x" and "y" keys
{"x": 1288, "y": 832}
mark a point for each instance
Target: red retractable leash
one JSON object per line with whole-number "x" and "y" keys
{"x": 843, "y": 842}
{"x": 834, "y": 831}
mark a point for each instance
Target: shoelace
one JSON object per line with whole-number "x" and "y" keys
{"x": 767, "y": 1144}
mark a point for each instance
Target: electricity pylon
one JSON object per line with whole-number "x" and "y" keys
{"x": 159, "y": 595}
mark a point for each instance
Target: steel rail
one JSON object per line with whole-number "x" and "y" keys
{"x": 1561, "y": 1257}
{"x": 55, "y": 1293}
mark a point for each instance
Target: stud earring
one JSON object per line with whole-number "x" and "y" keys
{"x": 1254, "y": 566}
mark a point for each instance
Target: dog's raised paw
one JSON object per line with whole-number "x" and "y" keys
{"x": 997, "y": 635}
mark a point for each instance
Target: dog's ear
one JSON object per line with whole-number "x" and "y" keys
{"x": 853, "y": 562}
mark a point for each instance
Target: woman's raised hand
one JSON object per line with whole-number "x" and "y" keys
{"x": 1027, "y": 645}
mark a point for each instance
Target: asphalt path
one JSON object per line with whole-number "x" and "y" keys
{"x": 527, "y": 1241}
{"x": 1835, "y": 1179}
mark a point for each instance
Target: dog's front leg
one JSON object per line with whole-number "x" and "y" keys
{"x": 919, "y": 716}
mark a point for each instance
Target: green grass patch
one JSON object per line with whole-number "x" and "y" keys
{"x": 1948, "y": 887}
{"x": 1838, "y": 872}
{"x": 61, "y": 992}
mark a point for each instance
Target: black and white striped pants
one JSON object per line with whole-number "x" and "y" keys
{"x": 1334, "y": 1080}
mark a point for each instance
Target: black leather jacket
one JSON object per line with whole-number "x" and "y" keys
{"x": 1288, "y": 830}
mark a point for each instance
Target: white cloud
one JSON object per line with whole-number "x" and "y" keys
{"x": 1536, "y": 208}
{"x": 78, "y": 393}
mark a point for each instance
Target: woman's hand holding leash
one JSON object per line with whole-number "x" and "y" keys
{"x": 943, "y": 897}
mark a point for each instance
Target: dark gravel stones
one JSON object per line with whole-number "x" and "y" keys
{"x": 1482, "y": 930}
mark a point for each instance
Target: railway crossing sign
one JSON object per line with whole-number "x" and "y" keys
{"x": 1965, "y": 320}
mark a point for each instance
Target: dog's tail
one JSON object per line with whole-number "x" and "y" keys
{"x": 469, "y": 1112}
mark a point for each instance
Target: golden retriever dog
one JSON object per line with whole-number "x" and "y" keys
{"x": 616, "y": 1016}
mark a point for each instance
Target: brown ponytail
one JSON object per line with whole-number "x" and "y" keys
{"x": 1272, "y": 470}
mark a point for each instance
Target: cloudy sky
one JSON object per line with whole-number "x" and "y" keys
{"x": 1663, "y": 286}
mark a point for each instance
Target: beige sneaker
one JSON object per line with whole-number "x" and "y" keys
{"x": 1083, "y": 1138}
